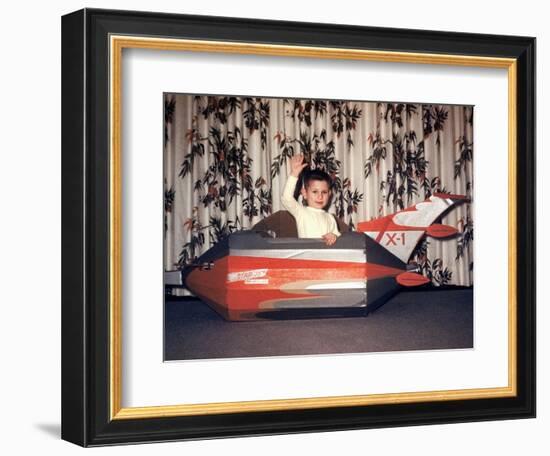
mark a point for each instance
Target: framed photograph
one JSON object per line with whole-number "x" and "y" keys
{"x": 268, "y": 227}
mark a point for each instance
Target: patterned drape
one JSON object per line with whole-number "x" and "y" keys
{"x": 226, "y": 164}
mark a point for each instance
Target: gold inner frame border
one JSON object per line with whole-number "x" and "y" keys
{"x": 116, "y": 46}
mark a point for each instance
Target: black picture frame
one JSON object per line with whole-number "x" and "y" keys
{"x": 87, "y": 337}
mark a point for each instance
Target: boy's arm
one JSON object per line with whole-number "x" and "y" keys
{"x": 333, "y": 233}
{"x": 287, "y": 198}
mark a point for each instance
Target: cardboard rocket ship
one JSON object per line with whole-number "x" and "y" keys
{"x": 251, "y": 275}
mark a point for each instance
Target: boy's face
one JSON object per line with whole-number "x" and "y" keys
{"x": 316, "y": 194}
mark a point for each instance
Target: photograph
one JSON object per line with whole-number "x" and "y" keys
{"x": 247, "y": 228}
{"x": 268, "y": 227}
{"x": 299, "y": 226}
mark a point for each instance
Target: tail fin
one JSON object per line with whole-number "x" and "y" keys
{"x": 401, "y": 232}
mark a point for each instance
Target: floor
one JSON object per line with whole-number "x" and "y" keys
{"x": 412, "y": 320}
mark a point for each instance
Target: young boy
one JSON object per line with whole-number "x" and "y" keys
{"x": 312, "y": 221}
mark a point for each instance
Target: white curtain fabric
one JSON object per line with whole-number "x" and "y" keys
{"x": 226, "y": 164}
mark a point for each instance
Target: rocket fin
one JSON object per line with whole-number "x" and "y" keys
{"x": 400, "y": 232}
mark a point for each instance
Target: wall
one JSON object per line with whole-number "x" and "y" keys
{"x": 30, "y": 189}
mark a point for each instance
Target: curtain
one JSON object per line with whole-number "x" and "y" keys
{"x": 226, "y": 165}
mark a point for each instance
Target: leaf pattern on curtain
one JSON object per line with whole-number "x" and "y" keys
{"x": 226, "y": 164}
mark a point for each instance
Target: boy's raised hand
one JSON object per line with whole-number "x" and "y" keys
{"x": 297, "y": 165}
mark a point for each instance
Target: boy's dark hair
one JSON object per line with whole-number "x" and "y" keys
{"x": 307, "y": 175}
